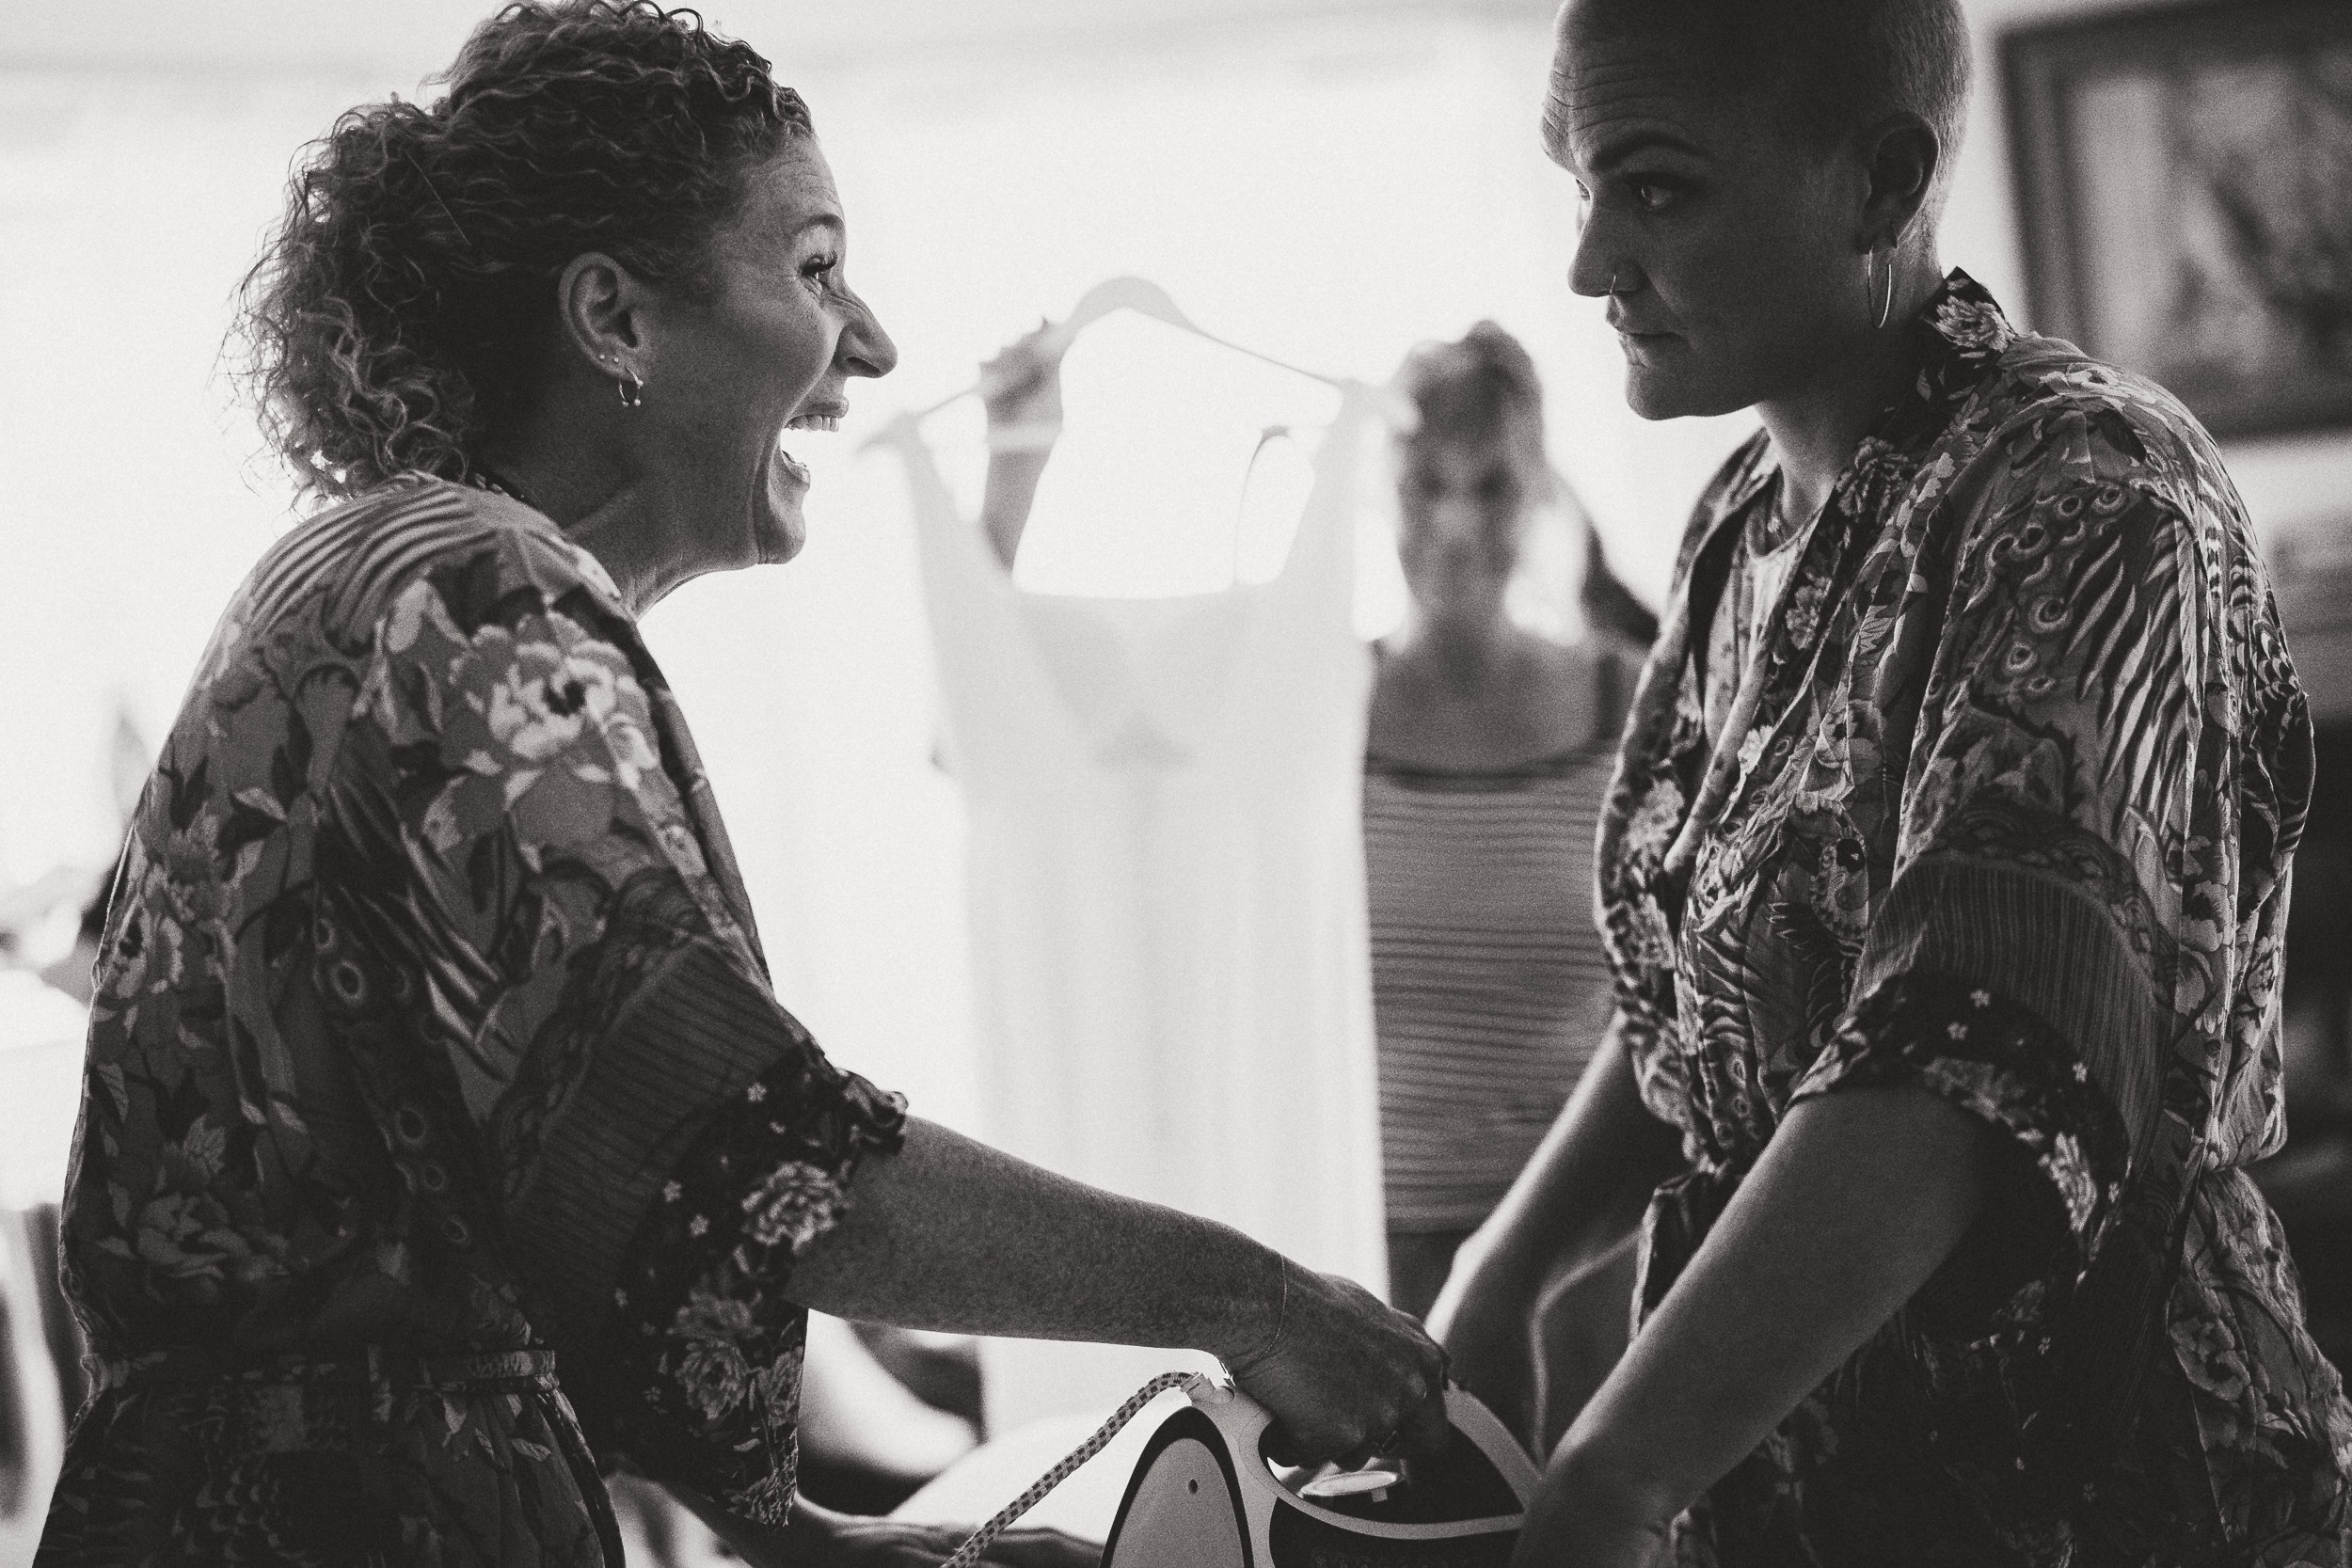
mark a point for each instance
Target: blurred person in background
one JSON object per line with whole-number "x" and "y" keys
{"x": 1489, "y": 748}
{"x": 1486, "y": 760}
{"x": 431, "y": 1040}
{"x": 1944, "y": 876}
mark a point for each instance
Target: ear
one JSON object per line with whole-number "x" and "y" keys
{"x": 1900, "y": 155}
{"x": 601, "y": 306}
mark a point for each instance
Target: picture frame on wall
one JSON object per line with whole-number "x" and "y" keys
{"x": 2185, "y": 179}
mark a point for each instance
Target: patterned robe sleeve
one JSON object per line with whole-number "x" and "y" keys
{"x": 582, "y": 1064}
{"x": 2057, "y": 950}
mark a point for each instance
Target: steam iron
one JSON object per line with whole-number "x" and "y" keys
{"x": 1205, "y": 1496}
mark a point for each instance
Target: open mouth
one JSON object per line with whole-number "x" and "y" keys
{"x": 828, "y": 421}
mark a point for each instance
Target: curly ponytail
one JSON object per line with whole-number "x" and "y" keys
{"x": 395, "y": 314}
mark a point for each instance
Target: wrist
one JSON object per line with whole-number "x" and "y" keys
{"x": 1601, "y": 1482}
{"x": 1255, "y": 1319}
{"x": 1028, "y": 435}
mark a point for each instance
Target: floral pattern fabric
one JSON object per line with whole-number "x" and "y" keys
{"x": 1999, "y": 799}
{"x": 440, "y": 1128}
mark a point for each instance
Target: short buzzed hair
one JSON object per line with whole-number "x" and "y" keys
{"x": 1832, "y": 65}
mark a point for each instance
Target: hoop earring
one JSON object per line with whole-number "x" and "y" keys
{"x": 632, "y": 390}
{"x": 1886, "y": 300}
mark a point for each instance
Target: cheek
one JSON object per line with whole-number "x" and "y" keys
{"x": 1763, "y": 252}
{"x": 781, "y": 349}
{"x": 1728, "y": 278}
{"x": 1758, "y": 299}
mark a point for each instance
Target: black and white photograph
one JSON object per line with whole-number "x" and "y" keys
{"x": 1176, "y": 783}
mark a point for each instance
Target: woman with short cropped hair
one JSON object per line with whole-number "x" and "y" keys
{"x": 1944, "y": 879}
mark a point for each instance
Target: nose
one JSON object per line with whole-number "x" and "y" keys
{"x": 866, "y": 348}
{"x": 1599, "y": 262}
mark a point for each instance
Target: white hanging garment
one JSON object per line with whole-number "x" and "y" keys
{"x": 1166, "y": 894}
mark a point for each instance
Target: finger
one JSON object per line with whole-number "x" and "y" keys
{"x": 1282, "y": 1447}
{"x": 1426, "y": 1429}
{"x": 1286, "y": 1446}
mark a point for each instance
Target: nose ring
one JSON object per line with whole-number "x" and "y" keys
{"x": 1615, "y": 290}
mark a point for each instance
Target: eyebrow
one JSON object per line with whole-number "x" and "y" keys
{"x": 1617, "y": 152}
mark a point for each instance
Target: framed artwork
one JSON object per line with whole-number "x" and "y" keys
{"x": 2184, "y": 182}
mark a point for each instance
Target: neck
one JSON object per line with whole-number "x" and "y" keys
{"x": 614, "y": 513}
{"x": 1464, "y": 649}
{"x": 1816, "y": 427}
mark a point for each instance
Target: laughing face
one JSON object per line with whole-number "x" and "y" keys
{"x": 766, "y": 348}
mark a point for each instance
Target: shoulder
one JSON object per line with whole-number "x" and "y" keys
{"x": 2095, "y": 506}
{"x": 2050, "y": 421}
{"x": 2056, "y": 459}
{"x": 469, "y": 557}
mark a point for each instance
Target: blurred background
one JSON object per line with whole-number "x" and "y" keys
{"x": 1328, "y": 180}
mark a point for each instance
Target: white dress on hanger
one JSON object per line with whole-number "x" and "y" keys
{"x": 1167, "y": 894}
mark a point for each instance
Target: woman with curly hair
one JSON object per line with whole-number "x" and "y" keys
{"x": 433, "y": 1053}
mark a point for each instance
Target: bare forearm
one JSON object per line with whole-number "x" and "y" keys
{"x": 951, "y": 1234}
{"x": 1585, "y": 1184}
{"x": 1860, "y": 1195}
{"x": 1006, "y": 498}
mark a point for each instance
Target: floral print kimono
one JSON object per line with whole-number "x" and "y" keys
{"x": 434, "y": 1058}
{"x": 1996, "y": 794}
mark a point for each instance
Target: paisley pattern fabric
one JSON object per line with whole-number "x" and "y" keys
{"x": 1999, "y": 799}
{"x": 434, "y": 1060}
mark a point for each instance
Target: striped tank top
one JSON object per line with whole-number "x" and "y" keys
{"x": 1489, "y": 989}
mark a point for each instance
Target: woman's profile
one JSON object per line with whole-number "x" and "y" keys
{"x": 1944, "y": 879}
{"x": 443, "y": 1140}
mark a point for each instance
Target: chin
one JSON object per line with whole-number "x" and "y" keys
{"x": 779, "y": 526}
{"x": 779, "y": 537}
{"x": 1653, "y": 395}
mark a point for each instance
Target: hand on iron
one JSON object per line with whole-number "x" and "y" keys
{"x": 1346, "y": 1377}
